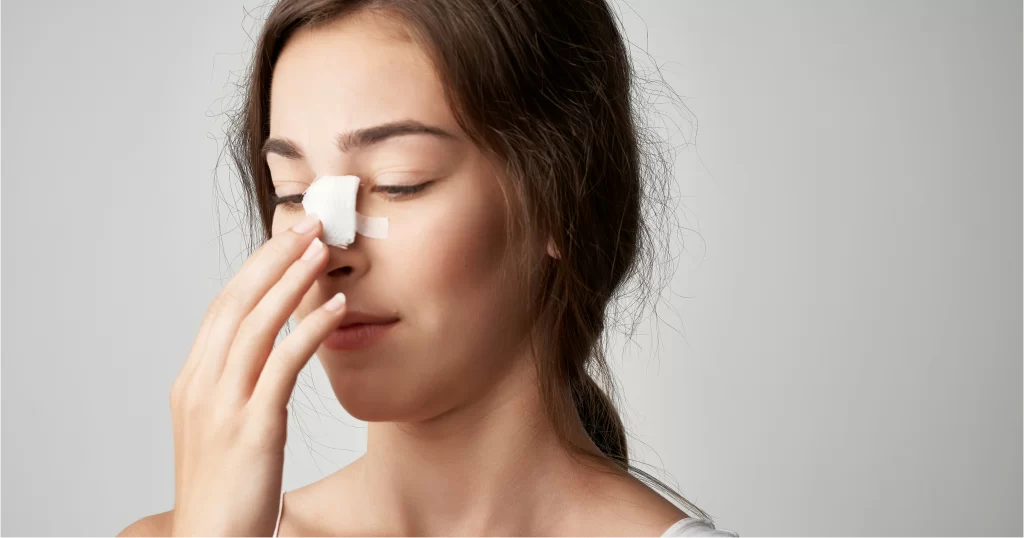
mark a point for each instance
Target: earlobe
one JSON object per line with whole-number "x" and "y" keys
{"x": 553, "y": 250}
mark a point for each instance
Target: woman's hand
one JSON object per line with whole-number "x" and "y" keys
{"x": 228, "y": 404}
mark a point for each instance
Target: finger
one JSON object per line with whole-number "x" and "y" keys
{"x": 198, "y": 347}
{"x": 275, "y": 384}
{"x": 256, "y": 334}
{"x": 256, "y": 276}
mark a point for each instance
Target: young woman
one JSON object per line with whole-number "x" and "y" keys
{"x": 499, "y": 139}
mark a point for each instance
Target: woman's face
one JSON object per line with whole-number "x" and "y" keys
{"x": 442, "y": 270}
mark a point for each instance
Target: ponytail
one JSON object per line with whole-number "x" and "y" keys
{"x": 600, "y": 418}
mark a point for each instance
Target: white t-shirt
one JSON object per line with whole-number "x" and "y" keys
{"x": 689, "y": 526}
{"x": 693, "y": 526}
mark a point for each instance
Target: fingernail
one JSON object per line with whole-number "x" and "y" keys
{"x": 306, "y": 224}
{"x": 313, "y": 249}
{"x": 336, "y": 302}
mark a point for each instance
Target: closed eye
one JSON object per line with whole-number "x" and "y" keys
{"x": 392, "y": 191}
{"x": 401, "y": 191}
{"x": 276, "y": 200}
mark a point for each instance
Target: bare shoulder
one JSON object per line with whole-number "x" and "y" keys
{"x": 154, "y": 525}
{"x": 622, "y": 505}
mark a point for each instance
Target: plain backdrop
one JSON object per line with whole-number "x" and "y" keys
{"x": 839, "y": 352}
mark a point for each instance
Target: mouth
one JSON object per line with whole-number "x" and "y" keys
{"x": 359, "y": 330}
{"x": 354, "y": 318}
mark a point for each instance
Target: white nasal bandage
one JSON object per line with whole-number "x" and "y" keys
{"x": 333, "y": 200}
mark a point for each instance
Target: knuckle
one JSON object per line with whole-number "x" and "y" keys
{"x": 225, "y": 301}
{"x": 176, "y": 390}
{"x": 179, "y": 394}
{"x": 287, "y": 287}
{"x": 249, "y": 329}
{"x": 282, "y": 245}
{"x": 192, "y": 402}
{"x": 221, "y": 414}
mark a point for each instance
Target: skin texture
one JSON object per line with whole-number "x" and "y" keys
{"x": 441, "y": 268}
{"x": 458, "y": 440}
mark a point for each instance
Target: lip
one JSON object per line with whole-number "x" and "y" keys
{"x": 355, "y": 317}
{"x": 359, "y": 330}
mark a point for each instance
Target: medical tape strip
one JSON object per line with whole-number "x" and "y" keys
{"x": 333, "y": 200}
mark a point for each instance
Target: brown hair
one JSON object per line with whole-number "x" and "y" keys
{"x": 547, "y": 88}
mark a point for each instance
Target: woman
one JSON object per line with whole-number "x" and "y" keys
{"x": 499, "y": 141}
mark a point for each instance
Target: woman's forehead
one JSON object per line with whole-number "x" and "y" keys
{"x": 351, "y": 75}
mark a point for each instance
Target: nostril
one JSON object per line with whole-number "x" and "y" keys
{"x": 341, "y": 271}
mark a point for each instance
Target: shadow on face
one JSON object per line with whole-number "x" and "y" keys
{"x": 360, "y": 97}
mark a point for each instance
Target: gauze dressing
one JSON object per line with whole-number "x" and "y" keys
{"x": 333, "y": 200}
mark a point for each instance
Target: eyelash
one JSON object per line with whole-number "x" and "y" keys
{"x": 395, "y": 192}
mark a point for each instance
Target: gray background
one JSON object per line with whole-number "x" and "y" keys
{"x": 852, "y": 314}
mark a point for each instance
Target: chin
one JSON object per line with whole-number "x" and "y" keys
{"x": 376, "y": 386}
{"x": 379, "y": 409}
{"x": 370, "y": 400}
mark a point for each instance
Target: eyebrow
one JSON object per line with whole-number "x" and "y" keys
{"x": 357, "y": 139}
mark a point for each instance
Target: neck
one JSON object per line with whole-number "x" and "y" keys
{"x": 493, "y": 466}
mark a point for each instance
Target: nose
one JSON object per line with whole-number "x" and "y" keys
{"x": 346, "y": 263}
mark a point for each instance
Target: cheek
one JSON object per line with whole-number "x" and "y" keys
{"x": 455, "y": 249}
{"x": 457, "y": 288}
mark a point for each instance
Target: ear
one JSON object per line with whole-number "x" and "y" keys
{"x": 553, "y": 250}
